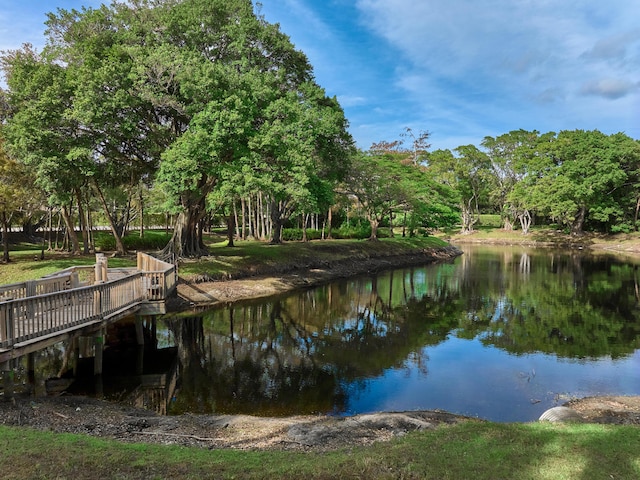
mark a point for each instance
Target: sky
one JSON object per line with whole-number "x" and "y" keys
{"x": 459, "y": 69}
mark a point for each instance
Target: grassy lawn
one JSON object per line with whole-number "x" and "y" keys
{"x": 223, "y": 261}
{"x": 471, "y": 450}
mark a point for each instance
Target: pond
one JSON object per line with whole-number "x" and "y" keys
{"x": 501, "y": 333}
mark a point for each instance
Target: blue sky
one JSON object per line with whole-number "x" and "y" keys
{"x": 460, "y": 69}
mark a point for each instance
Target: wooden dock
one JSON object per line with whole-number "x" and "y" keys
{"x": 80, "y": 301}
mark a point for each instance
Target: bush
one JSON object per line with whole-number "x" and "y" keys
{"x": 490, "y": 220}
{"x": 360, "y": 231}
{"x": 295, "y": 234}
{"x": 151, "y": 241}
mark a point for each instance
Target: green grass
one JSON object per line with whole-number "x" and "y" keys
{"x": 255, "y": 256}
{"x": 223, "y": 261}
{"x": 477, "y": 450}
{"x": 25, "y": 267}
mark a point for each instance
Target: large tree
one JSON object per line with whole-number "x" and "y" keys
{"x": 577, "y": 176}
{"x": 41, "y": 130}
{"x": 468, "y": 172}
{"x": 384, "y": 183}
{"x": 253, "y": 105}
{"x": 186, "y": 85}
{"x": 507, "y": 169}
{"x": 14, "y": 194}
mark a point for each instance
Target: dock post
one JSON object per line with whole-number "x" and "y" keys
{"x": 139, "y": 330}
{"x": 76, "y": 355}
{"x": 31, "y": 370}
{"x": 100, "y": 268}
{"x": 8, "y": 374}
{"x": 98, "y": 342}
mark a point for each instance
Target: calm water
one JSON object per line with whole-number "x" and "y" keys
{"x": 501, "y": 333}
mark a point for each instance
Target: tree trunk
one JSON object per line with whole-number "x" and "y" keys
{"x": 469, "y": 218}
{"x": 120, "y": 250}
{"x": 276, "y": 222}
{"x": 141, "y": 202}
{"x": 374, "y": 222}
{"x": 243, "y": 207}
{"x": 507, "y": 225}
{"x": 231, "y": 226}
{"x": 329, "y": 221}
{"x": 5, "y": 238}
{"x": 187, "y": 234}
{"x": 71, "y": 231}
{"x": 525, "y": 221}
{"x": 83, "y": 223}
{"x": 305, "y": 219}
{"x": 576, "y": 226}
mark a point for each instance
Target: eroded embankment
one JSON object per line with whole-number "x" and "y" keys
{"x": 267, "y": 280}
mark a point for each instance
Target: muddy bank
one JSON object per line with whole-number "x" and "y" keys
{"x": 98, "y": 418}
{"x": 274, "y": 280}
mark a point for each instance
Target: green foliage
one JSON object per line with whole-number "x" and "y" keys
{"x": 386, "y": 182}
{"x": 490, "y": 220}
{"x": 151, "y": 241}
{"x": 357, "y": 231}
{"x": 580, "y": 177}
{"x": 296, "y": 234}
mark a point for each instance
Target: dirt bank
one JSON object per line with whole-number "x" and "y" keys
{"x": 281, "y": 279}
{"x": 98, "y": 418}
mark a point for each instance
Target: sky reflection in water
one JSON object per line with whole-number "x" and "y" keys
{"x": 502, "y": 334}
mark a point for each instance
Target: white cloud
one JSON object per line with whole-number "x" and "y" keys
{"x": 611, "y": 88}
{"x": 614, "y": 47}
{"x": 351, "y": 101}
{"x": 505, "y": 64}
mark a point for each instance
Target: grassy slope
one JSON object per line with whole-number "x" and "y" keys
{"x": 252, "y": 256}
{"x": 470, "y": 450}
{"x": 223, "y": 261}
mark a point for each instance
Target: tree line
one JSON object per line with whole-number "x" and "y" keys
{"x": 200, "y": 113}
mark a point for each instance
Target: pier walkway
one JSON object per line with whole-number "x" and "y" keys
{"x": 80, "y": 301}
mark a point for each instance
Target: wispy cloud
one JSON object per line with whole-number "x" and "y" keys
{"x": 506, "y": 60}
{"x": 611, "y": 88}
{"x": 461, "y": 69}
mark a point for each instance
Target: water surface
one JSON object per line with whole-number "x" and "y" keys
{"x": 500, "y": 333}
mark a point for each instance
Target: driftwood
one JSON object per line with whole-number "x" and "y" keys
{"x": 166, "y": 434}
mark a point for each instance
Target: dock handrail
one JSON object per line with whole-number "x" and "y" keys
{"x": 35, "y": 309}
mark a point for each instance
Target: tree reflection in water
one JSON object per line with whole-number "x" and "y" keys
{"x": 310, "y": 351}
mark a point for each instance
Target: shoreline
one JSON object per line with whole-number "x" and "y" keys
{"x": 272, "y": 281}
{"x": 246, "y": 287}
{"x": 83, "y": 415}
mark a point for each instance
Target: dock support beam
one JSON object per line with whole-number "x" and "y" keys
{"x": 98, "y": 342}
{"x": 139, "y": 330}
{"x": 8, "y": 375}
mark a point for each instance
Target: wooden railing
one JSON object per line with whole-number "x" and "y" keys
{"x": 64, "y": 280}
{"x": 51, "y": 306}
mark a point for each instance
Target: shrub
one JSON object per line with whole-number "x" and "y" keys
{"x": 151, "y": 241}
{"x": 295, "y": 234}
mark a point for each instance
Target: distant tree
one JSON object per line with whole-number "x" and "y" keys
{"x": 419, "y": 144}
{"x": 14, "y": 194}
{"x": 386, "y": 183}
{"x": 505, "y": 152}
{"x": 468, "y": 173}
{"x": 575, "y": 176}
